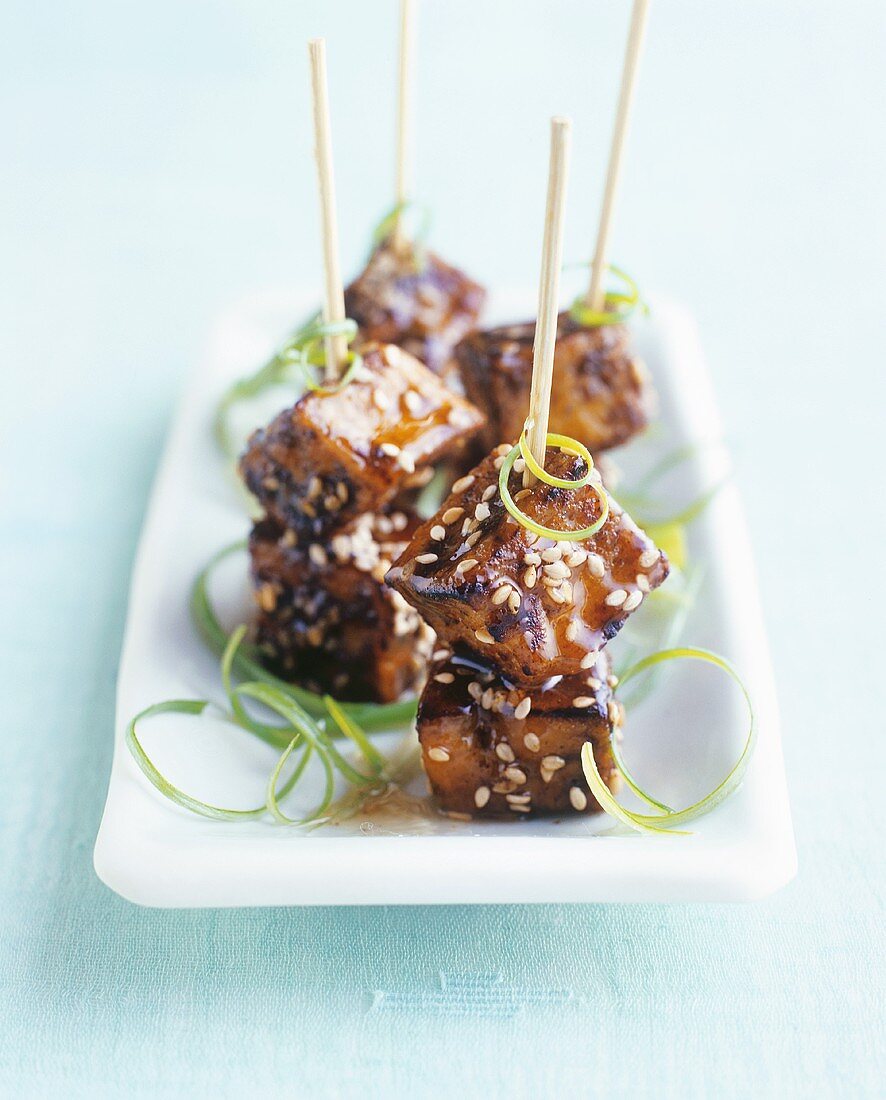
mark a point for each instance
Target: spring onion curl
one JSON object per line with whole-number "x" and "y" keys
{"x": 294, "y": 362}
{"x": 571, "y": 446}
{"x": 243, "y": 661}
{"x": 386, "y": 225}
{"x": 299, "y": 734}
{"x": 618, "y": 307}
{"x": 665, "y": 820}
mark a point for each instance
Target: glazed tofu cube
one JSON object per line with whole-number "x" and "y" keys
{"x": 494, "y": 750}
{"x": 326, "y": 618}
{"x": 415, "y": 301}
{"x": 531, "y": 606}
{"x": 333, "y": 457}
{"x": 601, "y": 396}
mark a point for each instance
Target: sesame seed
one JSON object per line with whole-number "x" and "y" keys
{"x": 520, "y": 712}
{"x": 406, "y": 461}
{"x": 546, "y": 775}
{"x": 593, "y": 683}
{"x": 440, "y": 654}
{"x": 519, "y": 807}
{"x": 576, "y": 558}
{"x": 452, "y": 514}
{"x": 489, "y": 492}
{"x": 457, "y": 816}
{"x": 501, "y": 593}
{"x": 519, "y": 465}
{"x": 583, "y": 701}
{"x": 438, "y": 533}
{"x": 465, "y": 564}
{"x": 267, "y": 597}
{"x": 557, "y": 595}
{"x": 596, "y": 565}
{"x": 484, "y": 636}
{"x": 523, "y": 494}
{"x": 532, "y": 742}
{"x": 392, "y": 354}
{"x": 444, "y": 678}
{"x": 426, "y": 559}
{"x": 515, "y": 774}
{"x": 553, "y": 763}
{"x": 531, "y": 558}
{"x": 503, "y": 449}
{"x": 578, "y": 798}
{"x": 341, "y": 491}
{"x": 315, "y": 487}
{"x": 487, "y": 699}
{"x": 616, "y": 598}
{"x": 471, "y": 540}
{"x": 519, "y": 799}
{"x": 463, "y": 483}
{"x": 317, "y": 554}
{"x": 380, "y": 400}
{"x": 572, "y": 631}
{"x": 530, "y": 577}
{"x": 390, "y": 449}
{"x": 514, "y": 602}
{"x": 504, "y": 752}
{"x": 440, "y": 756}
{"x": 288, "y": 538}
{"x": 557, "y": 569}
{"x": 481, "y": 512}
{"x": 412, "y": 401}
{"x": 589, "y": 660}
{"x": 612, "y": 681}
{"x": 648, "y": 558}
{"x": 475, "y": 690}
{"x": 642, "y": 582}
{"x": 499, "y": 462}
{"x": 633, "y": 601}
{"x": 481, "y": 797}
{"x": 552, "y": 554}
{"x": 466, "y": 526}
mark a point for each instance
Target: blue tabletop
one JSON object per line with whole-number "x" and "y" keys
{"x": 157, "y": 167}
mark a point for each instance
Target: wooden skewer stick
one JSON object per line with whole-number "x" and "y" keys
{"x": 334, "y": 296}
{"x": 596, "y": 296}
{"x": 404, "y": 119}
{"x": 548, "y": 294}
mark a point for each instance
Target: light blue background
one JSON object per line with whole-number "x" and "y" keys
{"x": 155, "y": 167}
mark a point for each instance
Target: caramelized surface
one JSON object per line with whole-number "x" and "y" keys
{"x": 482, "y": 759}
{"x": 423, "y": 305}
{"x": 601, "y": 394}
{"x": 564, "y": 600}
{"x": 327, "y": 619}
{"x": 331, "y": 458}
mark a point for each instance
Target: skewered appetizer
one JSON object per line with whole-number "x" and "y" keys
{"x": 408, "y": 296}
{"x": 340, "y": 453}
{"x": 494, "y": 748}
{"x": 602, "y": 394}
{"x": 326, "y": 472}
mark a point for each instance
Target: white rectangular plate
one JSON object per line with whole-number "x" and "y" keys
{"x": 680, "y": 741}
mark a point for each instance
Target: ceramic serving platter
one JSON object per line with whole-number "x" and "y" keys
{"x": 680, "y": 739}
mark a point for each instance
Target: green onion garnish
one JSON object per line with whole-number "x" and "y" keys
{"x": 566, "y": 443}
{"x": 622, "y": 303}
{"x": 666, "y": 819}
{"x": 385, "y": 228}
{"x": 299, "y": 734}
{"x": 243, "y": 659}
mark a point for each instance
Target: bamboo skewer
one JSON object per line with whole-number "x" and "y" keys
{"x": 548, "y": 295}
{"x": 334, "y": 295}
{"x": 404, "y": 120}
{"x": 596, "y": 296}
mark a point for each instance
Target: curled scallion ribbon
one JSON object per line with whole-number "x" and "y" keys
{"x": 572, "y": 446}
{"x": 665, "y": 820}
{"x": 618, "y": 306}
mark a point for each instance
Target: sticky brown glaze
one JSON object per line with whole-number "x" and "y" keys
{"x": 562, "y": 601}
{"x": 326, "y": 618}
{"x": 333, "y": 457}
{"x": 601, "y": 396}
{"x": 490, "y": 753}
{"x": 415, "y": 301}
